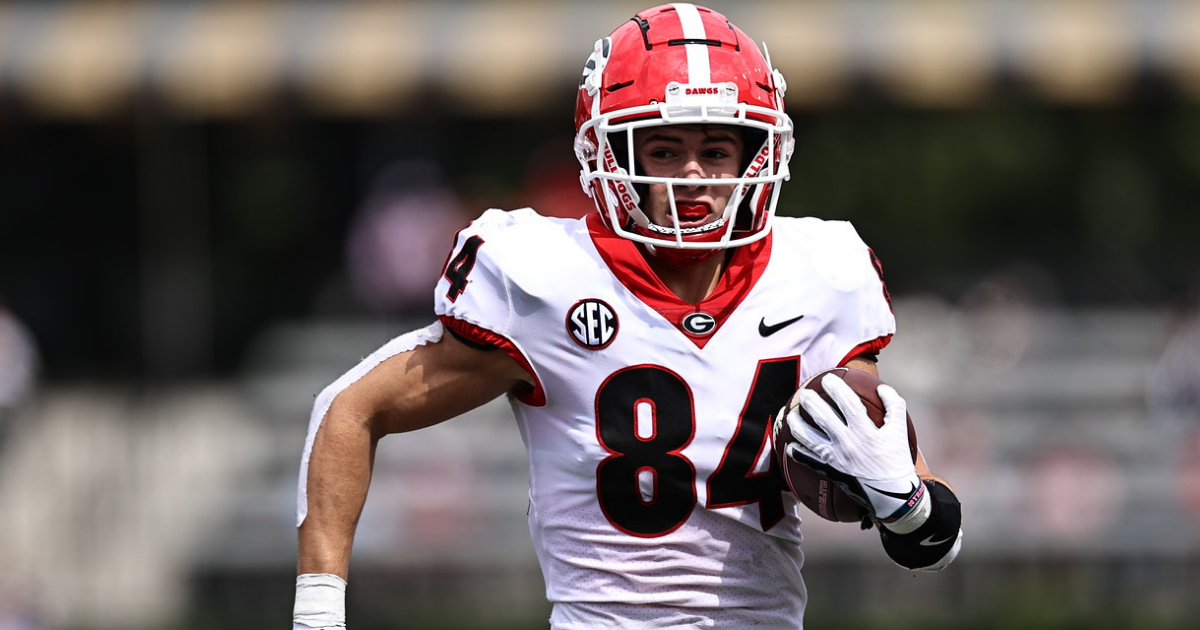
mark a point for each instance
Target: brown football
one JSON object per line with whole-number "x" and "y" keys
{"x": 817, "y": 493}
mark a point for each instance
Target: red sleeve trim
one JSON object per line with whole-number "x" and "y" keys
{"x": 485, "y": 337}
{"x": 869, "y": 347}
{"x": 887, "y": 295}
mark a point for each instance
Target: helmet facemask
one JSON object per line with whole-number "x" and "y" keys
{"x": 615, "y": 174}
{"x": 653, "y": 72}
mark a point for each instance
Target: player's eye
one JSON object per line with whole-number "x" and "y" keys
{"x": 661, "y": 153}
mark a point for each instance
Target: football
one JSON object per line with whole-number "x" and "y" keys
{"x": 816, "y": 492}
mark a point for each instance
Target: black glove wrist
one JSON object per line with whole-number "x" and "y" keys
{"x": 934, "y": 543}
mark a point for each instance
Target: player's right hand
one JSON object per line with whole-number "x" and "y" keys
{"x": 872, "y": 464}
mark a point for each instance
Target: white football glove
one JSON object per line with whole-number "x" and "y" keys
{"x": 872, "y": 464}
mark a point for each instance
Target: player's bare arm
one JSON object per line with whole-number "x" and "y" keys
{"x": 418, "y": 388}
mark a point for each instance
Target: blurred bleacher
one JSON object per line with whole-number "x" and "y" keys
{"x": 130, "y": 510}
{"x": 370, "y": 58}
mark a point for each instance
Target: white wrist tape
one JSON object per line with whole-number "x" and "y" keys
{"x": 320, "y": 602}
{"x": 915, "y": 518}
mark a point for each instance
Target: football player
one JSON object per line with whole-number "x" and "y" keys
{"x": 645, "y": 350}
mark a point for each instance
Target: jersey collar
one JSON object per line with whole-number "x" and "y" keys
{"x": 625, "y": 260}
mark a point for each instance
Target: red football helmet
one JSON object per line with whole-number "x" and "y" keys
{"x": 680, "y": 64}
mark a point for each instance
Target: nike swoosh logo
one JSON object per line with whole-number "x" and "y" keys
{"x": 767, "y": 331}
{"x": 930, "y": 542}
{"x": 903, "y": 496}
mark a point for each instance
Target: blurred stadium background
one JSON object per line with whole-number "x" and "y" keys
{"x": 209, "y": 210}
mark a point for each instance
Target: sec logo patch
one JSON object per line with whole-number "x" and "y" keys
{"x": 592, "y": 324}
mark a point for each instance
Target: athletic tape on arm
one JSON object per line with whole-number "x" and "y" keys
{"x": 429, "y": 334}
{"x": 320, "y": 602}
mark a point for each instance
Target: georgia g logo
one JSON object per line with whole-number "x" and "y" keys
{"x": 699, "y": 324}
{"x": 592, "y": 324}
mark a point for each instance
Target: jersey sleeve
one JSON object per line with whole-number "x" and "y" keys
{"x": 474, "y": 288}
{"x": 853, "y": 299}
{"x": 475, "y": 298}
{"x": 870, "y": 300}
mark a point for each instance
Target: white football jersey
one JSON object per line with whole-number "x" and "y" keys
{"x": 651, "y": 475}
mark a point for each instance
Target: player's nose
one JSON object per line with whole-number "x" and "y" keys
{"x": 693, "y": 168}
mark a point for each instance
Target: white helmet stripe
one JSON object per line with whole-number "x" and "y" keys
{"x": 697, "y": 54}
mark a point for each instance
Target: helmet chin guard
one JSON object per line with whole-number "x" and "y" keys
{"x": 680, "y": 64}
